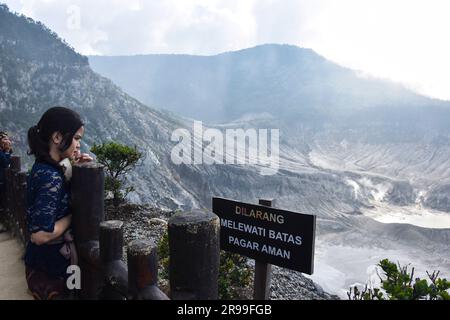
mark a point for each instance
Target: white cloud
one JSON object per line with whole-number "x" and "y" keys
{"x": 404, "y": 40}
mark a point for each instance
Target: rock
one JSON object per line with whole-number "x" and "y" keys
{"x": 158, "y": 221}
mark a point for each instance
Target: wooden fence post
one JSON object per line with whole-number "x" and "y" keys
{"x": 7, "y": 199}
{"x": 11, "y": 194}
{"x": 114, "y": 270}
{"x": 143, "y": 271}
{"x": 88, "y": 211}
{"x": 21, "y": 213}
{"x": 194, "y": 245}
{"x": 14, "y": 205}
{"x": 15, "y": 200}
{"x": 15, "y": 163}
{"x": 3, "y": 199}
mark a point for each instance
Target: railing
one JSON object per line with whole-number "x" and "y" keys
{"x": 193, "y": 243}
{"x": 14, "y": 200}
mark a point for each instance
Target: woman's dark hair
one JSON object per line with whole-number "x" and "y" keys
{"x": 56, "y": 119}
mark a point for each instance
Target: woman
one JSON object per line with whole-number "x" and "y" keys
{"x": 54, "y": 140}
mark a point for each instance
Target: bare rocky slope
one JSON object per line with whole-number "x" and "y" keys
{"x": 339, "y": 170}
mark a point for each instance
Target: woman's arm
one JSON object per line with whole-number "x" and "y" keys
{"x": 48, "y": 192}
{"x": 42, "y": 237}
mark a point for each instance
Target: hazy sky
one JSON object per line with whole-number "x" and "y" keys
{"x": 403, "y": 40}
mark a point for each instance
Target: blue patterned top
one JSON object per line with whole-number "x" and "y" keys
{"x": 48, "y": 202}
{"x": 48, "y": 197}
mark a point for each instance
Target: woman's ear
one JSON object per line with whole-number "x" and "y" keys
{"x": 57, "y": 137}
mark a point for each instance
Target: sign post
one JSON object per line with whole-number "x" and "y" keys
{"x": 268, "y": 235}
{"x": 263, "y": 271}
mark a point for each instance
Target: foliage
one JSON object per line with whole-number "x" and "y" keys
{"x": 163, "y": 255}
{"x": 118, "y": 160}
{"x": 234, "y": 273}
{"x": 398, "y": 284}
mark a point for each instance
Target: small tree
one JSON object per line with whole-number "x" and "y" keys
{"x": 398, "y": 285}
{"x": 118, "y": 160}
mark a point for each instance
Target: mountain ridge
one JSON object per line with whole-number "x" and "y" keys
{"x": 313, "y": 176}
{"x": 218, "y": 87}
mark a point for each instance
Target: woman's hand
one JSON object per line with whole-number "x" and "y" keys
{"x": 42, "y": 237}
{"x": 82, "y": 157}
{"x": 6, "y": 145}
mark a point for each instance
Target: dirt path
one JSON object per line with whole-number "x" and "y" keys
{"x": 12, "y": 271}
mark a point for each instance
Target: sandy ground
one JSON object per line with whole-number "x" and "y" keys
{"x": 416, "y": 215}
{"x": 12, "y": 270}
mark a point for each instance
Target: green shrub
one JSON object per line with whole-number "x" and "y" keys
{"x": 234, "y": 274}
{"x": 118, "y": 160}
{"x": 398, "y": 284}
{"x": 163, "y": 256}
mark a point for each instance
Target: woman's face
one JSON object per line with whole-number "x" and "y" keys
{"x": 74, "y": 148}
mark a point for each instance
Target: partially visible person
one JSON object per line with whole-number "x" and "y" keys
{"x": 53, "y": 141}
{"x": 5, "y": 160}
{"x": 5, "y": 157}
